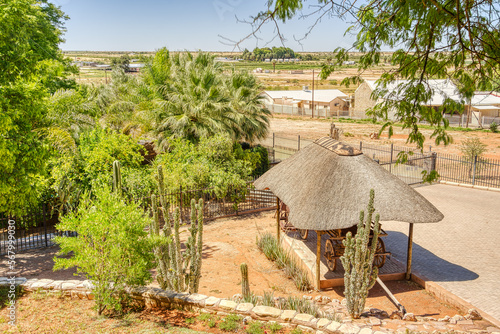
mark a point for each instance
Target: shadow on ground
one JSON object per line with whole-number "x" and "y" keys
{"x": 425, "y": 262}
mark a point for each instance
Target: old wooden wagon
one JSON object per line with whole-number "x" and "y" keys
{"x": 334, "y": 248}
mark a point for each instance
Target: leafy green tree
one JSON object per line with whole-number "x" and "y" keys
{"x": 32, "y": 67}
{"x": 111, "y": 249}
{"x": 213, "y": 163}
{"x": 432, "y": 39}
{"x": 99, "y": 148}
{"x": 122, "y": 62}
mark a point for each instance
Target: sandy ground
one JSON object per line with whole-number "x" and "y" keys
{"x": 354, "y": 133}
{"x": 230, "y": 242}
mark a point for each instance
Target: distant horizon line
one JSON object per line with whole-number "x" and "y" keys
{"x": 131, "y": 51}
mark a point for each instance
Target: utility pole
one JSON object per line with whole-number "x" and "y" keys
{"x": 312, "y": 107}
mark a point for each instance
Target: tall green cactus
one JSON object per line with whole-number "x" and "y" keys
{"x": 177, "y": 270}
{"x": 360, "y": 274}
{"x": 245, "y": 285}
{"x": 117, "y": 177}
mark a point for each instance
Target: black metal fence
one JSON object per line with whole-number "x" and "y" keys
{"x": 476, "y": 171}
{"x": 38, "y": 228}
{"x": 34, "y": 230}
{"x": 233, "y": 204}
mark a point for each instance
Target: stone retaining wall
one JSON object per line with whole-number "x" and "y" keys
{"x": 154, "y": 297}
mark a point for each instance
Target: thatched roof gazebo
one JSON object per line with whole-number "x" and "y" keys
{"x": 327, "y": 184}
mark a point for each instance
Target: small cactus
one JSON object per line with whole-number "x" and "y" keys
{"x": 245, "y": 285}
{"x": 360, "y": 274}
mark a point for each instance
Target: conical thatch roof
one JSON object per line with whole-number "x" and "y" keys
{"x": 327, "y": 184}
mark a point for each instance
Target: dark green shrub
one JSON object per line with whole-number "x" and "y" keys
{"x": 494, "y": 127}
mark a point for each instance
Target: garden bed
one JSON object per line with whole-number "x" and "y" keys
{"x": 232, "y": 241}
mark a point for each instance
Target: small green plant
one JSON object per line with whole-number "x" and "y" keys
{"x": 189, "y": 321}
{"x": 360, "y": 274}
{"x": 204, "y": 317}
{"x": 112, "y": 248}
{"x": 268, "y": 299}
{"x": 212, "y": 323}
{"x": 296, "y": 331}
{"x": 473, "y": 149}
{"x": 255, "y": 327}
{"x": 252, "y": 298}
{"x": 298, "y": 304}
{"x": 269, "y": 245}
{"x": 274, "y": 327}
{"x": 230, "y": 323}
{"x": 493, "y": 127}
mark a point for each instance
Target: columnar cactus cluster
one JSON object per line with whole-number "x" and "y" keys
{"x": 360, "y": 274}
{"x": 245, "y": 285}
{"x": 176, "y": 270}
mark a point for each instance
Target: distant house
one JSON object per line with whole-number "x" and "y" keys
{"x": 135, "y": 67}
{"x": 332, "y": 100}
{"x": 482, "y": 104}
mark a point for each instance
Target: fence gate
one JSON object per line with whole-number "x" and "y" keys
{"x": 34, "y": 230}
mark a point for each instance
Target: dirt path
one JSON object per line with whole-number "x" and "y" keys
{"x": 353, "y": 133}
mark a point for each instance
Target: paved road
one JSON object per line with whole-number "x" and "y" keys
{"x": 460, "y": 253}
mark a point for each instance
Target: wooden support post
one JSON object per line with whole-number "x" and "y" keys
{"x": 278, "y": 218}
{"x": 391, "y": 296}
{"x": 409, "y": 253}
{"x": 318, "y": 258}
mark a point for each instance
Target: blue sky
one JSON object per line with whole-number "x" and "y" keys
{"x": 125, "y": 25}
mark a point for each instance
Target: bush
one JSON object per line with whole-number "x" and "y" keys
{"x": 494, "y": 127}
{"x": 112, "y": 248}
{"x": 255, "y": 327}
{"x": 230, "y": 323}
{"x": 215, "y": 162}
{"x": 99, "y": 148}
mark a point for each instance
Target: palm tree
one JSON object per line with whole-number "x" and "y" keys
{"x": 251, "y": 116}
{"x": 199, "y": 100}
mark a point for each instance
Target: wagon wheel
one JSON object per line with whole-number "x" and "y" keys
{"x": 303, "y": 234}
{"x": 379, "y": 260}
{"x": 329, "y": 255}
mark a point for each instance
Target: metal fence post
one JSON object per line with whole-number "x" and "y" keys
{"x": 433, "y": 161}
{"x": 392, "y": 152}
{"x": 361, "y": 146}
{"x": 474, "y": 170}
{"x": 45, "y": 225}
{"x": 298, "y": 143}
{"x": 274, "y": 151}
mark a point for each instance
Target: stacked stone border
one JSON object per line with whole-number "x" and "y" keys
{"x": 150, "y": 297}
